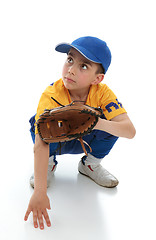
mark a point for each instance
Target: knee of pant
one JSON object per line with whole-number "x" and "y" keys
{"x": 33, "y": 136}
{"x": 53, "y": 148}
{"x": 32, "y": 129}
{"x": 101, "y": 148}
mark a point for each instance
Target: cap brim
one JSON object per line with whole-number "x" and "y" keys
{"x": 65, "y": 47}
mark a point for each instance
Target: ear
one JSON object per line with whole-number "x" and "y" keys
{"x": 98, "y": 79}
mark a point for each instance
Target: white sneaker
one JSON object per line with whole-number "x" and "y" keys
{"x": 98, "y": 174}
{"x": 51, "y": 169}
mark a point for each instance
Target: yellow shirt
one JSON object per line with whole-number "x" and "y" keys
{"x": 99, "y": 96}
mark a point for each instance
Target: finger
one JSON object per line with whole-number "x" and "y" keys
{"x": 40, "y": 219}
{"x": 35, "y": 219}
{"x": 27, "y": 215}
{"x": 46, "y": 217}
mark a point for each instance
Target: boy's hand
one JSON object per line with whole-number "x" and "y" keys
{"x": 38, "y": 204}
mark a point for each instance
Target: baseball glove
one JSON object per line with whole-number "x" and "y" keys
{"x": 68, "y": 122}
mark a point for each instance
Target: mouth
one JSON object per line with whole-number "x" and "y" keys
{"x": 69, "y": 80}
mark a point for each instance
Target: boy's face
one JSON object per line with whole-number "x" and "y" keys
{"x": 79, "y": 73}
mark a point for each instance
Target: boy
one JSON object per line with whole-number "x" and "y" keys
{"x": 88, "y": 59}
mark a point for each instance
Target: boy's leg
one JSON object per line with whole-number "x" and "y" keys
{"x": 101, "y": 144}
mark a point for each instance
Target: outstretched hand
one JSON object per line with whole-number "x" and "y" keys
{"x": 38, "y": 205}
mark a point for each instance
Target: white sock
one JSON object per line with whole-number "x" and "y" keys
{"x": 91, "y": 160}
{"x": 51, "y": 160}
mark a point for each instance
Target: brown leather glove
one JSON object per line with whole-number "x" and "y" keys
{"x": 68, "y": 122}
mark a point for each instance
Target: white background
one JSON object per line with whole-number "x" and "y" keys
{"x": 29, "y": 31}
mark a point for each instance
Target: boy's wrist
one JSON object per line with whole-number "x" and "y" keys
{"x": 40, "y": 185}
{"x": 40, "y": 190}
{"x": 99, "y": 124}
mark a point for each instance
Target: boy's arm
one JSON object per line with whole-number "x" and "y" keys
{"x": 120, "y": 126}
{"x": 39, "y": 201}
{"x": 41, "y": 159}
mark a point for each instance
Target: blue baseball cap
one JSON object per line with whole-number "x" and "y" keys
{"x": 92, "y": 48}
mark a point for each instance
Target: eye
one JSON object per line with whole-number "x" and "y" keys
{"x": 84, "y": 66}
{"x": 69, "y": 60}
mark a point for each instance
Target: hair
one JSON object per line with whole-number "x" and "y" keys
{"x": 100, "y": 69}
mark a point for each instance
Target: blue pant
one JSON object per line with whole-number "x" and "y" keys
{"x": 100, "y": 142}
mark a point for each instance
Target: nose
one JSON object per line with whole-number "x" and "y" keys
{"x": 71, "y": 70}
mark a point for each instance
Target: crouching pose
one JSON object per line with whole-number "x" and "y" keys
{"x": 88, "y": 59}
